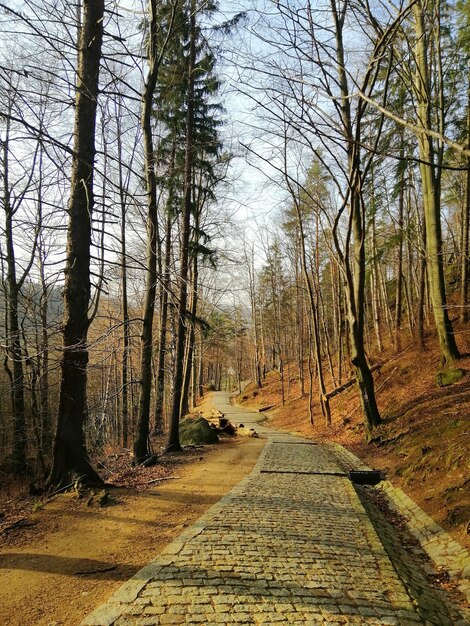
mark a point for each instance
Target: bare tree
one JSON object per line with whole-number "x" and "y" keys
{"x": 70, "y": 454}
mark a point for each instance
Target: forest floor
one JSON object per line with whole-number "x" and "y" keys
{"x": 68, "y": 556}
{"x": 424, "y": 442}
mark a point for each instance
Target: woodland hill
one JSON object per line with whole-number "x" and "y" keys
{"x": 121, "y": 186}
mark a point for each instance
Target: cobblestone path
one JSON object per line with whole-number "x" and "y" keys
{"x": 290, "y": 544}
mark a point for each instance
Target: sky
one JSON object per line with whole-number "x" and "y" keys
{"x": 253, "y": 196}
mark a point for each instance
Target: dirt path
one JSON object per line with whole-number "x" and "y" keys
{"x": 73, "y": 559}
{"x": 291, "y": 542}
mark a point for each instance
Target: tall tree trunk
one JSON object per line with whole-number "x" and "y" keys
{"x": 355, "y": 276}
{"x": 311, "y": 413}
{"x": 43, "y": 364}
{"x": 194, "y": 395}
{"x": 299, "y": 312}
{"x": 399, "y": 274}
{"x": 374, "y": 285}
{"x": 173, "y": 437}
{"x": 431, "y": 195}
{"x": 315, "y": 329}
{"x": 464, "y": 267}
{"x": 141, "y": 444}
{"x": 70, "y": 453}
{"x": 421, "y": 296}
{"x": 191, "y": 337}
{"x": 14, "y": 351}
{"x": 45, "y": 412}
{"x": 337, "y": 317}
{"x": 162, "y": 343}
{"x": 254, "y": 317}
{"x": 126, "y": 339}
{"x": 200, "y": 376}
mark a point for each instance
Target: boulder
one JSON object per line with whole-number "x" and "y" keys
{"x": 196, "y": 431}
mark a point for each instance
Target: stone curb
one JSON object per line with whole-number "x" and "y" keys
{"x": 442, "y": 549}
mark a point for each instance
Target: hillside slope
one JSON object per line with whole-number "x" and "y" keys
{"x": 424, "y": 443}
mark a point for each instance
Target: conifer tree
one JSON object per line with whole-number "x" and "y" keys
{"x": 198, "y": 169}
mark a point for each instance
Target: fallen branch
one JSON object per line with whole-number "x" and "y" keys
{"x": 386, "y": 380}
{"x": 65, "y": 487}
{"x": 376, "y": 391}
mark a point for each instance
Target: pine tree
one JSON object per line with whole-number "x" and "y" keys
{"x": 197, "y": 159}
{"x": 185, "y": 123}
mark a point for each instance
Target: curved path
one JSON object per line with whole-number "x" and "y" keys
{"x": 291, "y": 543}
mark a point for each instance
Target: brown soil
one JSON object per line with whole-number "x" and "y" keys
{"x": 75, "y": 556}
{"x": 424, "y": 443}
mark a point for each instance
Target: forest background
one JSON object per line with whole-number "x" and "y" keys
{"x": 195, "y": 195}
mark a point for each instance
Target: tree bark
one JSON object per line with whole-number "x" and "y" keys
{"x": 355, "y": 276}
{"x": 162, "y": 343}
{"x": 70, "y": 454}
{"x": 315, "y": 330}
{"x": 254, "y": 316}
{"x": 374, "y": 285}
{"x": 191, "y": 338}
{"x": 464, "y": 267}
{"x": 431, "y": 196}
{"x": 141, "y": 443}
{"x": 45, "y": 412}
{"x": 173, "y": 437}
{"x": 13, "y": 342}
{"x": 126, "y": 345}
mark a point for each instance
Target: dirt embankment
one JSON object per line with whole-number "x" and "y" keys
{"x": 424, "y": 442}
{"x": 75, "y": 556}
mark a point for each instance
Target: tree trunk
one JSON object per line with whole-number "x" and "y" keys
{"x": 173, "y": 437}
{"x": 162, "y": 347}
{"x": 355, "y": 308}
{"x": 374, "y": 286}
{"x": 431, "y": 196}
{"x": 46, "y": 422}
{"x": 191, "y": 338}
{"x": 299, "y": 312}
{"x": 399, "y": 274}
{"x": 315, "y": 330}
{"x": 200, "y": 376}
{"x": 254, "y": 317}
{"x": 355, "y": 276}
{"x": 126, "y": 339}
{"x": 141, "y": 444}
{"x": 70, "y": 455}
{"x": 464, "y": 267}
{"x": 13, "y": 342}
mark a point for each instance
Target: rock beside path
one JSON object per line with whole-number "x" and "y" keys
{"x": 196, "y": 431}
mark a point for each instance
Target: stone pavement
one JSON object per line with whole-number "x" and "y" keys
{"x": 291, "y": 544}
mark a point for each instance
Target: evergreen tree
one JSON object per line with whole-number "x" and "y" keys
{"x": 185, "y": 122}
{"x": 195, "y": 160}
